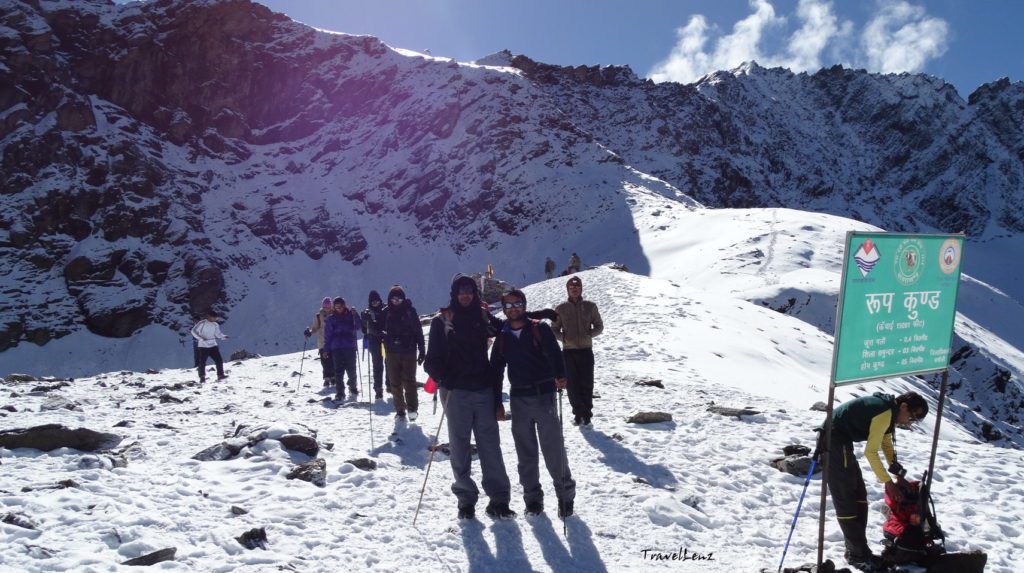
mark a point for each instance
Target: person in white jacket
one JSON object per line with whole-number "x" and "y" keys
{"x": 207, "y": 332}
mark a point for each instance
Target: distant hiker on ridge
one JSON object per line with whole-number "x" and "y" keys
{"x": 578, "y": 323}
{"x": 574, "y": 263}
{"x": 319, "y": 319}
{"x": 373, "y": 339}
{"x": 535, "y": 371}
{"x": 340, "y": 344}
{"x": 872, "y": 419}
{"x": 457, "y": 361}
{"x": 207, "y": 332}
{"x": 403, "y": 341}
{"x": 549, "y": 268}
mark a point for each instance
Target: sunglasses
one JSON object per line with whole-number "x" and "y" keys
{"x": 516, "y": 304}
{"x": 467, "y": 290}
{"x": 396, "y": 299}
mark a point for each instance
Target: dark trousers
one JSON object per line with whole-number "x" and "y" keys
{"x": 377, "y": 362}
{"x": 327, "y": 365}
{"x": 535, "y": 420}
{"x": 849, "y": 497}
{"x": 212, "y": 352}
{"x": 402, "y": 380}
{"x": 344, "y": 362}
{"x": 471, "y": 415}
{"x": 579, "y": 369}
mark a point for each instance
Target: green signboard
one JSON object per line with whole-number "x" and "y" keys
{"x": 897, "y": 303}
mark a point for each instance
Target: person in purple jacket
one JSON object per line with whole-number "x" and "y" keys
{"x": 340, "y": 343}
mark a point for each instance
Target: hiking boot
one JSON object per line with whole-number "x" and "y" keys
{"x": 865, "y": 561}
{"x": 353, "y": 390}
{"x": 467, "y": 511}
{"x": 576, "y": 421}
{"x": 339, "y": 397}
{"x": 586, "y": 421}
{"x": 565, "y": 508}
{"x": 328, "y": 382}
{"x": 378, "y": 395}
{"x": 400, "y": 416}
{"x": 413, "y": 416}
{"x": 535, "y": 508}
{"x": 500, "y": 510}
{"x": 224, "y": 377}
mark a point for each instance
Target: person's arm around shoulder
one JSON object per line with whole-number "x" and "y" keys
{"x": 596, "y": 324}
{"x": 556, "y": 325}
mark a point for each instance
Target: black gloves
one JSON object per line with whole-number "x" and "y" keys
{"x": 307, "y": 332}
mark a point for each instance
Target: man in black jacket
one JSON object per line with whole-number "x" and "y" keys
{"x": 403, "y": 341}
{"x": 457, "y": 361}
{"x": 535, "y": 371}
{"x": 373, "y": 335}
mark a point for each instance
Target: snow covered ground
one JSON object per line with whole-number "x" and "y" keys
{"x": 701, "y": 482}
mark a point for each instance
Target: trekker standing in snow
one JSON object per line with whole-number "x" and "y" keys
{"x": 535, "y": 371}
{"x": 403, "y": 341}
{"x": 549, "y": 268}
{"x": 578, "y": 323}
{"x": 319, "y": 320}
{"x": 575, "y": 263}
{"x": 373, "y": 333}
{"x": 340, "y": 330}
{"x": 207, "y": 332}
{"x": 457, "y": 361}
{"x": 872, "y": 419}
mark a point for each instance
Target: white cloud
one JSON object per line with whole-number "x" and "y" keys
{"x": 900, "y": 37}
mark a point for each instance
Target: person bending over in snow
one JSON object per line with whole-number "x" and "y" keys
{"x": 870, "y": 419}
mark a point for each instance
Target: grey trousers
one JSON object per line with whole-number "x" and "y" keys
{"x": 469, "y": 412}
{"x": 536, "y": 417}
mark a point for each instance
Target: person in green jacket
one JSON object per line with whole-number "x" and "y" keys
{"x": 871, "y": 419}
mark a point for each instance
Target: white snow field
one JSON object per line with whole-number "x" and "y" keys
{"x": 700, "y": 483}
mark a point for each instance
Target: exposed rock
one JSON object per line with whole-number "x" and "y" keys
{"x": 19, "y": 520}
{"x": 300, "y": 443}
{"x": 49, "y": 387}
{"x": 8, "y": 408}
{"x": 314, "y": 471}
{"x": 62, "y": 484}
{"x": 220, "y": 452}
{"x": 152, "y": 371}
{"x": 235, "y": 510}
{"x": 58, "y": 403}
{"x": 52, "y": 436}
{"x": 254, "y": 538}
{"x": 649, "y": 418}
{"x": 21, "y": 378}
{"x": 796, "y": 465}
{"x": 819, "y": 407}
{"x": 124, "y": 424}
{"x": 796, "y": 450}
{"x": 732, "y": 411}
{"x": 652, "y": 383}
{"x": 153, "y": 558}
{"x": 243, "y": 355}
{"x": 365, "y": 464}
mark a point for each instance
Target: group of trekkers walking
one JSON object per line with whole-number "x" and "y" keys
{"x": 468, "y": 353}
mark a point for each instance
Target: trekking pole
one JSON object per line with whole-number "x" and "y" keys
{"x": 561, "y": 431}
{"x": 301, "y": 363}
{"x": 814, "y": 460}
{"x": 433, "y": 448}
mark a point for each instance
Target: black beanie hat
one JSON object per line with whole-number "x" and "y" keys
{"x": 338, "y": 300}
{"x": 396, "y": 290}
{"x": 574, "y": 281}
{"x": 458, "y": 281}
{"x": 374, "y": 295}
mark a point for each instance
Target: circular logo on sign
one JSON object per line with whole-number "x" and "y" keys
{"x": 909, "y": 262}
{"x": 949, "y": 256}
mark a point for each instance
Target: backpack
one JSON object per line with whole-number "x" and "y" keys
{"x": 912, "y": 534}
{"x": 535, "y": 327}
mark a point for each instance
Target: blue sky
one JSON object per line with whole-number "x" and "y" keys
{"x": 968, "y": 43}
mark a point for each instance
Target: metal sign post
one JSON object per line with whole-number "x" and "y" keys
{"x": 894, "y": 317}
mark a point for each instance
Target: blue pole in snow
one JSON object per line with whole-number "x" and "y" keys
{"x": 797, "y": 514}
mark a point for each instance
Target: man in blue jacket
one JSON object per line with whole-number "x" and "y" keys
{"x": 340, "y": 338}
{"x": 535, "y": 371}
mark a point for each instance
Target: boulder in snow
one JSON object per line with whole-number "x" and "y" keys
{"x": 19, "y": 520}
{"x": 314, "y": 471}
{"x": 796, "y": 450}
{"x": 58, "y": 403}
{"x": 819, "y": 407}
{"x": 153, "y": 558}
{"x": 795, "y": 465}
{"x": 365, "y": 464}
{"x": 256, "y": 537}
{"x": 649, "y": 418}
{"x": 738, "y": 412}
{"x": 52, "y": 436}
{"x": 300, "y": 443}
{"x": 243, "y": 355}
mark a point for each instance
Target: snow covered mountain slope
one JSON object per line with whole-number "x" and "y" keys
{"x": 700, "y": 482}
{"x": 160, "y": 158}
